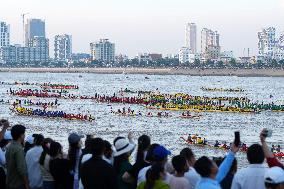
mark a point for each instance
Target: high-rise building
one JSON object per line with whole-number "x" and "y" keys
{"x": 42, "y": 46}
{"x": 191, "y": 37}
{"x": 210, "y": 44}
{"x": 8, "y": 54}
{"x": 183, "y": 55}
{"x": 4, "y": 34}
{"x": 63, "y": 47}
{"x": 267, "y": 42}
{"x": 34, "y": 28}
{"x": 103, "y": 50}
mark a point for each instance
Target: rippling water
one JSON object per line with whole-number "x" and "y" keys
{"x": 166, "y": 131}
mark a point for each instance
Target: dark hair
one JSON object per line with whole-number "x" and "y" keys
{"x": 72, "y": 154}
{"x": 150, "y": 156}
{"x": 144, "y": 142}
{"x": 55, "y": 149}
{"x": 203, "y": 166}
{"x": 179, "y": 163}
{"x": 45, "y": 150}
{"x": 118, "y": 160}
{"x": 28, "y": 146}
{"x": 219, "y": 161}
{"x": 17, "y": 131}
{"x": 187, "y": 153}
{"x": 107, "y": 145}
{"x": 38, "y": 139}
{"x": 255, "y": 154}
{"x": 97, "y": 146}
{"x": 3, "y": 143}
{"x": 153, "y": 174}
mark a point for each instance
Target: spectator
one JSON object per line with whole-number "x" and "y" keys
{"x": 178, "y": 181}
{"x": 271, "y": 160}
{"x": 60, "y": 168}
{"x": 32, "y": 161}
{"x": 274, "y": 178}
{"x": 5, "y": 125}
{"x": 154, "y": 178}
{"x": 121, "y": 161}
{"x": 252, "y": 176}
{"x": 191, "y": 175}
{"x": 95, "y": 172}
{"x": 108, "y": 153}
{"x": 29, "y": 143}
{"x": 74, "y": 154}
{"x": 17, "y": 175}
{"x": 158, "y": 155}
{"x": 211, "y": 176}
{"x": 48, "y": 181}
{"x": 226, "y": 183}
{"x": 3, "y": 144}
{"x": 144, "y": 143}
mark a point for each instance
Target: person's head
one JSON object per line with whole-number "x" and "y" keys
{"x": 206, "y": 167}
{"x": 160, "y": 154}
{"x": 255, "y": 154}
{"x": 38, "y": 139}
{"x": 46, "y": 150}
{"x": 123, "y": 151}
{"x": 180, "y": 164}
{"x": 97, "y": 146}
{"x": 108, "y": 150}
{"x": 144, "y": 143}
{"x": 149, "y": 155}
{"x": 234, "y": 165}
{"x": 156, "y": 172}
{"x": 274, "y": 178}
{"x": 55, "y": 149}
{"x": 189, "y": 156}
{"x": 18, "y": 133}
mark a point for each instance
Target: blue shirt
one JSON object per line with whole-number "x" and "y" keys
{"x": 208, "y": 183}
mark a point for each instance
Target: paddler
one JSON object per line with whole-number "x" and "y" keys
{"x": 189, "y": 140}
{"x": 217, "y": 144}
{"x": 278, "y": 149}
{"x": 199, "y": 140}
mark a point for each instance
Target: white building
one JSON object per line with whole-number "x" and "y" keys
{"x": 8, "y": 54}
{"x": 62, "y": 47}
{"x": 226, "y": 56}
{"x": 210, "y": 44}
{"x": 191, "y": 37}
{"x": 42, "y": 48}
{"x": 4, "y": 34}
{"x": 184, "y": 55}
{"x": 266, "y": 42}
{"x": 103, "y": 50}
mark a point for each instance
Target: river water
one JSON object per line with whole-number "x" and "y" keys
{"x": 167, "y": 131}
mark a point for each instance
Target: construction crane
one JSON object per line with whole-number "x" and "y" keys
{"x": 23, "y": 17}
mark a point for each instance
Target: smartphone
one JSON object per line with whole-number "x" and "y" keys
{"x": 237, "y": 140}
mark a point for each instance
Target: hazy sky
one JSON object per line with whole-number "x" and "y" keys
{"x": 147, "y": 25}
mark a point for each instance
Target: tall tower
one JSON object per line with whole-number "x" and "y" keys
{"x": 34, "y": 28}
{"x": 4, "y": 34}
{"x": 191, "y": 37}
{"x": 63, "y": 47}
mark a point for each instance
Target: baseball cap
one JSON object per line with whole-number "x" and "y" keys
{"x": 74, "y": 138}
{"x": 8, "y": 136}
{"x": 161, "y": 152}
{"x": 274, "y": 175}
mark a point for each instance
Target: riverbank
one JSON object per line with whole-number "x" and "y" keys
{"x": 158, "y": 71}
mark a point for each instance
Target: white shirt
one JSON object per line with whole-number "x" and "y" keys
{"x": 250, "y": 177}
{"x": 33, "y": 166}
{"x": 142, "y": 176}
{"x": 193, "y": 177}
{"x": 178, "y": 183}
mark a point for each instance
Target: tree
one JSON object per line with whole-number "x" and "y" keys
{"x": 233, "y": 63}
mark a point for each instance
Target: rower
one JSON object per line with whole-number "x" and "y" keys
{"x": 273, "y": 148}
{"x": 159, "y": 114}
{"x": 225, "y": 145}
{"x": 199, "y": 140}
{"x": 183, "y": 114}
{"x": 278, "y": 149}
{"x": 189, "y": 140}
{"x": 217, "y": 144}
{"x": 139, "y": 113}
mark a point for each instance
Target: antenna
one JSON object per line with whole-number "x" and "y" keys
{"x": 23, "y": 17}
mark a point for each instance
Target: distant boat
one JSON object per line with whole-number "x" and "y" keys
{"x": 147, "y": 78}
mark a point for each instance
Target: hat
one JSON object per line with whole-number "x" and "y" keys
{"x": 161, "y": 152}
{"x": 8, "y": 136}
{"x": 122, "y": 146}
{"x": 30, "y": 139}
{"x": 274, "y": 175}
{"x": 74, "y": 138}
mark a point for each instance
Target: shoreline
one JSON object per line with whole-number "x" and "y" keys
{"x": 157, "y": 71}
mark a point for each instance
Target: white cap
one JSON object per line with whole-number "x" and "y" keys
{"x": 274, "y": 175}
{"x": 8, "y": 136}
{"x": 30, "y": 139}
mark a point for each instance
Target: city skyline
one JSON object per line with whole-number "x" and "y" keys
{"x": 127, "y": 24}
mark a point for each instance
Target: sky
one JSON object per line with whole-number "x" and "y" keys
{"x": 155, "y": 26}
